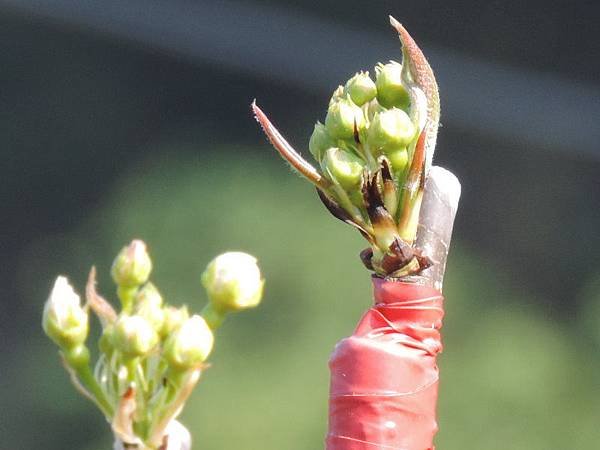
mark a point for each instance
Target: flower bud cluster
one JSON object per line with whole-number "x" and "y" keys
{"x": 149, "y": 346}
{"x": 374, "y": 150}
{"x": 365, "y": 149}
{"x": 366, "y": 120}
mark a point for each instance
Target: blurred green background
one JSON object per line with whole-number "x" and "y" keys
{"x": 124, "y": 119}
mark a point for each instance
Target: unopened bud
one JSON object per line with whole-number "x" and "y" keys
{"x": 337, "y": 95}
{"x": 391, "y": 92}
{"x": 190, "y": 344}
{"x": 132, "y": 266}
{"x": 320, "y": 140}
{"x": 77, "y": 357}
{"x": 343, "y": 167}
{"x": 398, "y": 159}
{"x": 342, "y": 117}
{"x": 173, "y": 318}
{"x": 148, "y": 304}
{"x": 134, "y": 336}
{"x": 390, "y": 129}
{"x": 361, "y": 88}
{"x": 106, "y": 341}
{"x": 233, "y": 282}
{"x": 373, "y": 108}
{"x": 64, "y": 320}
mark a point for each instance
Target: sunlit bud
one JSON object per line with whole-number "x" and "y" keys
{"x": 337, "y": 95}
{"x": 391, "y": 92}
{"x": 134, "y": 336}
{"x": 361, "y": 88}
{"x": 148, "y": 304}
{"x": 132, "y": 266}
{"x": 190, "y": 344}
{"x": 64, "y": 320}
{"x": 390, "y": 129}
{"x": 341, "y": 118}
{"x": 343, "y": 167}
{"x": 398, "y": 159}
{"x": 373, "y": 108}
{"x": 173, "y": 318}
{"x": 320, "y": 140}
{"x": 233, "y": 282}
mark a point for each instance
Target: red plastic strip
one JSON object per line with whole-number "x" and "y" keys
{"x": 384, "y": 378}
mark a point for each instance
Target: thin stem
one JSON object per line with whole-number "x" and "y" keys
{"x": 213, "y": 318}
{"x": 127, "y": 296}
{"x": 174, "y": 408}
{"x": 87, "y": 379}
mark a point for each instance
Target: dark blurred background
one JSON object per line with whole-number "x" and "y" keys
{"x": 130, "y": 118}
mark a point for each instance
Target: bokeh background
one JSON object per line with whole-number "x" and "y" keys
{"x": 130, "y": 118}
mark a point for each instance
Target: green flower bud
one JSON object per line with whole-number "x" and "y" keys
{"x": 64, "y": 320}
{"x": 106, "y": 341}
{"x": 320, "y": 140}
{"x": 173, "y": 318}
{"x": 391, "y": 92}
{"x": 132, "y": 266}
{"x": 134, "y": 336}
{"x": 343, "y": 167}
{"x": 390, "y": 129}
{"x": 361, "y": 88}
{"x": 190, "y": 344}
{"x": 341, "y": 117}
{"x": 148, "y": 304}
{"x": 232, "y": 281}
{"x": 372, "y": 108}
{"x": 77, "y": 357}
{"x": 398, "y": 159}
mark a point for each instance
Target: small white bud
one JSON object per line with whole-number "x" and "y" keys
{"x": 190, "y": 344}
{"x": 134, "y": 336}
{"x": 233, "y": 282}
{"x": 133, "y": 265}
{"x": 173, "y": 318}
{"x": 64, "y": 320}
{"x": 148, "y": 304}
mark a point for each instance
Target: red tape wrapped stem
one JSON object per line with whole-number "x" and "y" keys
{"x": 384, "y": 378}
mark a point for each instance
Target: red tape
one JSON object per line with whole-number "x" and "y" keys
{"x": 384, "y": 378}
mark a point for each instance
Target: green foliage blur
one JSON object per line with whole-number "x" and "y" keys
{"x": 510, "y": 377}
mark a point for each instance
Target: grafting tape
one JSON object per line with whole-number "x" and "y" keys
{"x": 384, "y": 378}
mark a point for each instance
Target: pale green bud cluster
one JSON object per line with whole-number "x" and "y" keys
{"x": 366, "y": 120}
{"x": 368, "y": 139}
{"x": 374, "y": 151}
{"x": 151, "y": 348}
